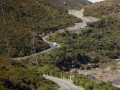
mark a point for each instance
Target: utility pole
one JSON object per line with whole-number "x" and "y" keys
{"x": 33, "y": 44}
{"x": 34, "y": 48}
{"x": 30, "y": 47}
{"x": 71, "y": 77}
{"x": 33, "y": 41}
{"x": 7, "y": 44}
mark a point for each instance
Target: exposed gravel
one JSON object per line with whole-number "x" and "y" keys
{"x": 78, "y": 26}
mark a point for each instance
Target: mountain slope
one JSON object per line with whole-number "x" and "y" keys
{"x": 100, "y": 9}
{"x": 106, "y": 32}
{"x": 22, "y": 76}
{"x": 23, "y": 18}
{"x": 97, "y": 44}
{"x": 70, "y": 3}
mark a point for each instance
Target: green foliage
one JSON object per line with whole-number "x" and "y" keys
{"x": 23, "y": 17}
{"x": 44, "y": 69}
{"x": 97, "y": 43}
{"x": 22, "y": 76}
{"x": 107, "y": 7}
{"x": 90, "y": 85}
{"x": 46, "y": 88}
{"x": 2, "y": 86}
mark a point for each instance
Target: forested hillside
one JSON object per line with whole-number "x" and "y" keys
{"x": 106, "y": 31}
{"x": 21, "y": 22}
{"x": 108, "y": 7}
{"x": 25, "y": 20}
{"x": 70, "y": 3}
{"x": 104, "y": 36}
{"x": 97, "y": 44}
{"x": 20, "y": 75}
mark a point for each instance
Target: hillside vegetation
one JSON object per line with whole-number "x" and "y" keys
{"x": 104, "y": 36}
{"x": 25, "y": 20}
{"x": 107, "y": 7}
{"x": 87, "y": 84}
{"x": 22, "y": 76}
{"x": 106, "y": 32}
{"x": 70, "y": 3}
{"x": 98, "y": 43}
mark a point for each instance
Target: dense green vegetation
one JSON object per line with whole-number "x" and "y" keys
{"x": 22, "y": 76}
{"x": 90, "y": 85}
{"x": 106, "y": 31}
{"x": 106, "y": 34}
{"x": 23, "y": 18}
{"x": 70, "y": 55}
{"x": 108, "y": 7}
{"x": 98, "y": 43}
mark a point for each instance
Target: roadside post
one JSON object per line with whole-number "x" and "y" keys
{"x": 71, "y": 77}
{"x": 62, "y": 75}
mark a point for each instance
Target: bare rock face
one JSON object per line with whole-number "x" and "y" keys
{"x": 70, "y": 3}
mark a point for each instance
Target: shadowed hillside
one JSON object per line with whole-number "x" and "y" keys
{"x": 70, "y": 3}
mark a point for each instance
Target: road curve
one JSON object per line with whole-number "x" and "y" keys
{"x": 76, "y": 28}
{"x": 45, "y": 51}
{"x": 64, "y": 84}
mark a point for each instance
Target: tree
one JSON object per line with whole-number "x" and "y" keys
{"x": 6, "y": 34}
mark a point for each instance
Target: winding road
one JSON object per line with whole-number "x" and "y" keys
{"x": 81, "y": 25}
{"x": 45, "y": 51}
{"x": 64, "y": 84}
{"x": 76, "y": 28}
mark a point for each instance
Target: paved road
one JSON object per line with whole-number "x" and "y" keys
{"x": 45, "y": 51}
{"x": 64, "y": 84}
{"x": 49, "y": 43}
{"x": 76, "y": 28}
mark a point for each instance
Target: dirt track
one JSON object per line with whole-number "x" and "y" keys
{"x": 78, "y": 26}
